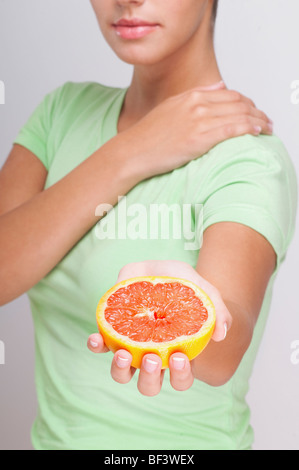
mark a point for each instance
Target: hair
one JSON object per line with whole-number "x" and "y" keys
{"x": 214, "y": 13}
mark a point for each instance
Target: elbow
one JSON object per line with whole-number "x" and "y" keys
{"x": 3, "y": 292}
{"x": 228, "y": 354}
{"x": 7, "y": 292}
{"x": 220, "y": 378}
{"x": 7, "y": 297}
{"x": 4, "y": 297}
{"x": 219, "y": 369}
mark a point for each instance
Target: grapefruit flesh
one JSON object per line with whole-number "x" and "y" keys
{"x": 156, "y": 314}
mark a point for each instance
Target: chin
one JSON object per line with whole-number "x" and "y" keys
{"x": 137, "y": 56}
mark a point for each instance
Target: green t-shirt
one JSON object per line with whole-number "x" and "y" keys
{"x": 249, "y": 180}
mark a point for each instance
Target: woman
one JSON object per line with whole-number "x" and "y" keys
{"x": 176, "y": 135}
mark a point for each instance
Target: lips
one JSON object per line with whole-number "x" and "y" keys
{"x": 134, "y": 28}
{"x": 133, "y": 22}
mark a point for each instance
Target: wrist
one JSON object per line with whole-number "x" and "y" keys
{"x": 123, "y": 156}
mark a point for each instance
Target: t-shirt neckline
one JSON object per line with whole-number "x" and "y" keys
{"x": 110, "y": 123}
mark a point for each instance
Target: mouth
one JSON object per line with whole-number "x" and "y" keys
{"x": 134, "y": 28}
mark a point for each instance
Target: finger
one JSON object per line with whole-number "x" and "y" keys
{"x": 199, "y": 94}
{"x": 234, "y": 125}
{"x": 238, "y": 103}
{"x": 237, "y": 108}
{"x": 96, "y": 343}
{"x": 150, "y": 377}
{"x": 215, "y": 86}
{"x": 227, "y": 96}
{"x": 223, "y": 320}
{"x": 227, "y": 131}
{"x": 121, "y": 370}
{"x": 181, "y": 377}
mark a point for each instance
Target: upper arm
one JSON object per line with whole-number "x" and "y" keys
{"x": 24, "y": 173}
{"x": 249, "y": 205}
{"x": 239, "y": 262}
{"x": 22, "y": 176}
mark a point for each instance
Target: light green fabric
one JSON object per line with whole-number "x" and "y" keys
{"x": 249, "y": 180}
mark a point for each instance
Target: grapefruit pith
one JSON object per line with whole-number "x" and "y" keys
{"x": 156, "y": 314}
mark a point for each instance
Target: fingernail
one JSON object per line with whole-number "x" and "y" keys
{"x": 178, "y": 363}
{"x": 270, "y": 127}
{"x": 122, "y": 362}
{"x": 94, "y": 344}
{"x": 150, "y": 365}
{"x": 257, "y": 129}
{"x": 225, "y": 330}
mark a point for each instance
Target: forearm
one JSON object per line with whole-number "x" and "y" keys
{"x": 36, "y": 235}
{"x": 219, "y": 361}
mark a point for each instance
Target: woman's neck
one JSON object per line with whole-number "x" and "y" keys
{"x": 152, "y": 84}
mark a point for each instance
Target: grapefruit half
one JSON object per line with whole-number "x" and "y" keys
{"x": 156, "y": 314}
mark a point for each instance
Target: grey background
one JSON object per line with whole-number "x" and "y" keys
{"x": 45, "y": 43}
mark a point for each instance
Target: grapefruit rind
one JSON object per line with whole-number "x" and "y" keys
{"x": 191, "y": 345}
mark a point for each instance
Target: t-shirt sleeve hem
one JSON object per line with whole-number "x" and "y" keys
{"x": 34, "y": 146}
{"x": 253, "y": 218}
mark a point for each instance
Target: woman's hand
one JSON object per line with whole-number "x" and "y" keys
{"x": 150, "y": 377}
{"x": 188, "y": 125}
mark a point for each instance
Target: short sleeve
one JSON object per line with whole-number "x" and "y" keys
{"x": 34, "y": 134}
{"x": 252, "y": 181}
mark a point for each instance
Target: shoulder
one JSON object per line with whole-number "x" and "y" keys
{"x": 249, "y": 147}
{"x": 252, "y": 181}
{"x": 71, "y": 94}
{"x": 252, "y": 157}
{"x": 78, "y": 88}
{"x": 68, "y": 105}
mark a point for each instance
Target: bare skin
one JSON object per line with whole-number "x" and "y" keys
{"x": 152, "y": 82}
{"x": 37, "y": 227}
